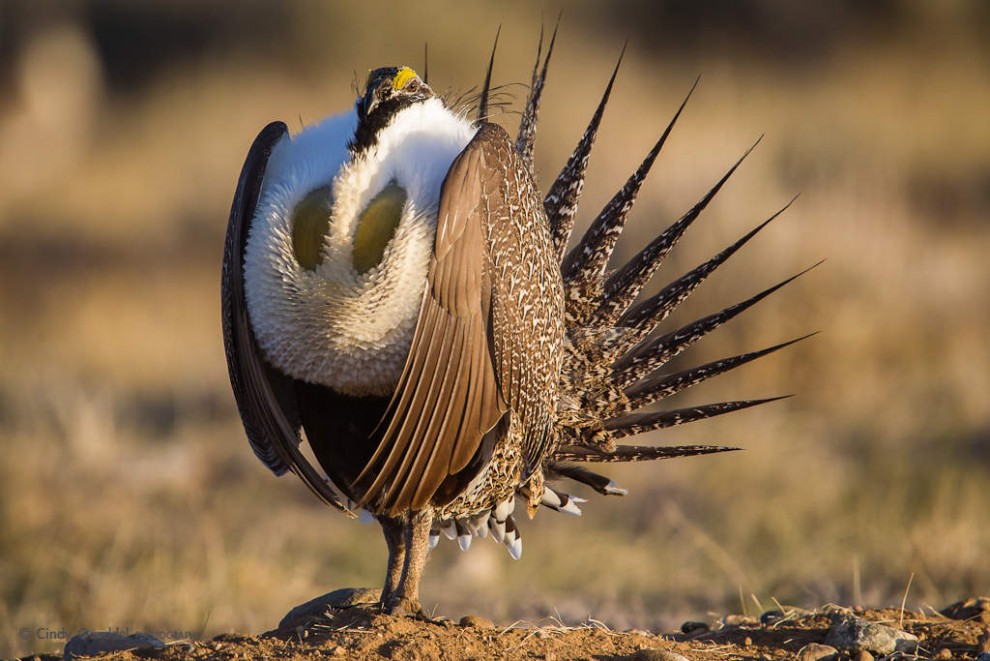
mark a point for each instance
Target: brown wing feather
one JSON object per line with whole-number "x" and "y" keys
{"x": 265, "y": 397}
{"x": 447, "y": 397}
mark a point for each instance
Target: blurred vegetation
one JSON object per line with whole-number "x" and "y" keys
{"x": 129, "y": 497}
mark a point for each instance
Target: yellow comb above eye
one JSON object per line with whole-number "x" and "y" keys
{"x": 404, "y": 76}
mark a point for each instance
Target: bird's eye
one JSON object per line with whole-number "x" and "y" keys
{"x": 412, "y": 85}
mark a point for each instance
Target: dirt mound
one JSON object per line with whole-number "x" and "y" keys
{"x": 959, "y": 631}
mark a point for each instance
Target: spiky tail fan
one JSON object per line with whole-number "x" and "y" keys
{"x": 614, "y": 363}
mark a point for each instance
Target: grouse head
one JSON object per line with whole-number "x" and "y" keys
{"x": 387, "y": 91}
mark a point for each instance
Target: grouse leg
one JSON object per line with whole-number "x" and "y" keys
{"x": 394, "y": 531}
{"x": 404, "y": 600}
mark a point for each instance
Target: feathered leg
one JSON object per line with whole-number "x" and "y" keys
{"x": 404, "y": 600}
{"x": 394, "y": 531}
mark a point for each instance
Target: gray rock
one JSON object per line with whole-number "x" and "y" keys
{"x": 854, "y": 634}
{"x": 817, "y": 652}
{"x": 984, "y": 656}
{"x": 93, "y": 643}
{"x": 314, "y": 609}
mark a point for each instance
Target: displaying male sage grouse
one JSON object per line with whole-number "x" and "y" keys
{"x": 395, "y": 286}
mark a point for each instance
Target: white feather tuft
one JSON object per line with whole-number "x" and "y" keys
{"x": 498, "y": 529}
{"x": 505, "y": 509}
{"x": 613, "y": 489}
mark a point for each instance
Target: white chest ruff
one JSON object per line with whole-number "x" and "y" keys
{"x": 333, "y": 325}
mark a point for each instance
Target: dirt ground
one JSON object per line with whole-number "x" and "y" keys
{"x": 959, "y": 631}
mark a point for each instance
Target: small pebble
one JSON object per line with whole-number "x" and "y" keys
{"x": 944, "y": 653}
{"x": 817, "y": 652}
{"x": 862, "y": 655}
{"x": 477, "y": 622}
{"x": 747, "y": 641}
{"x": 737, "y": 620}
{"x": 770, "y": 617}
{"x": 694, "y": 628}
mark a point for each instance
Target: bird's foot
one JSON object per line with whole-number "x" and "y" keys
{"x": 406, "y": 607}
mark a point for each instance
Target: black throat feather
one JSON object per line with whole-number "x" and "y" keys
{"x": 370, "y": 126}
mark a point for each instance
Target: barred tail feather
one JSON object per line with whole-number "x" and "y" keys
{"x": 587, "y": 260}
{"x": 660, "y": 387}
{"x": 652, "y": 355}
{"x": 612, "y": 362}
{"x": 622, "y": 288}
{"x": 562, "y": 200}
{"x": 486, "y": 89}
{"x": 625, "y": 453}
{"x": 651, "y": 312}
{"x": 632, "y": 424}
{"x": 527, "y": 125}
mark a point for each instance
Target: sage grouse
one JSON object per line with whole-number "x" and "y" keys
{"x": 395, "y": 286}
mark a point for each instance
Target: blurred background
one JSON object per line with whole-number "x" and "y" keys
{"x": 128, "y": 496}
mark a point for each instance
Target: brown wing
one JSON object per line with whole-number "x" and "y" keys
{"x": 265, "y": 397}
{"x": 447, "y": 397}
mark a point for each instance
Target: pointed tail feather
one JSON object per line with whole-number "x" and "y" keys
{"x": 600, "y": 483}
{"x": 648, "y": 314}
{"x": 622, "y": 288}
{"x": 635, "y": 453}
{"x": 632, "y": 424}
{"x": 527, "y": 125}
{"x": 652, "y": 390}
{"x": 638, "y": 363}
{"x": 587, "y": 260}
{"x": 483, "y": 103}
{"x": 562, "y": 200}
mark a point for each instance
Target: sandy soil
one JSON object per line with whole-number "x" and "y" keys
{"x": 959, "y": 631}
